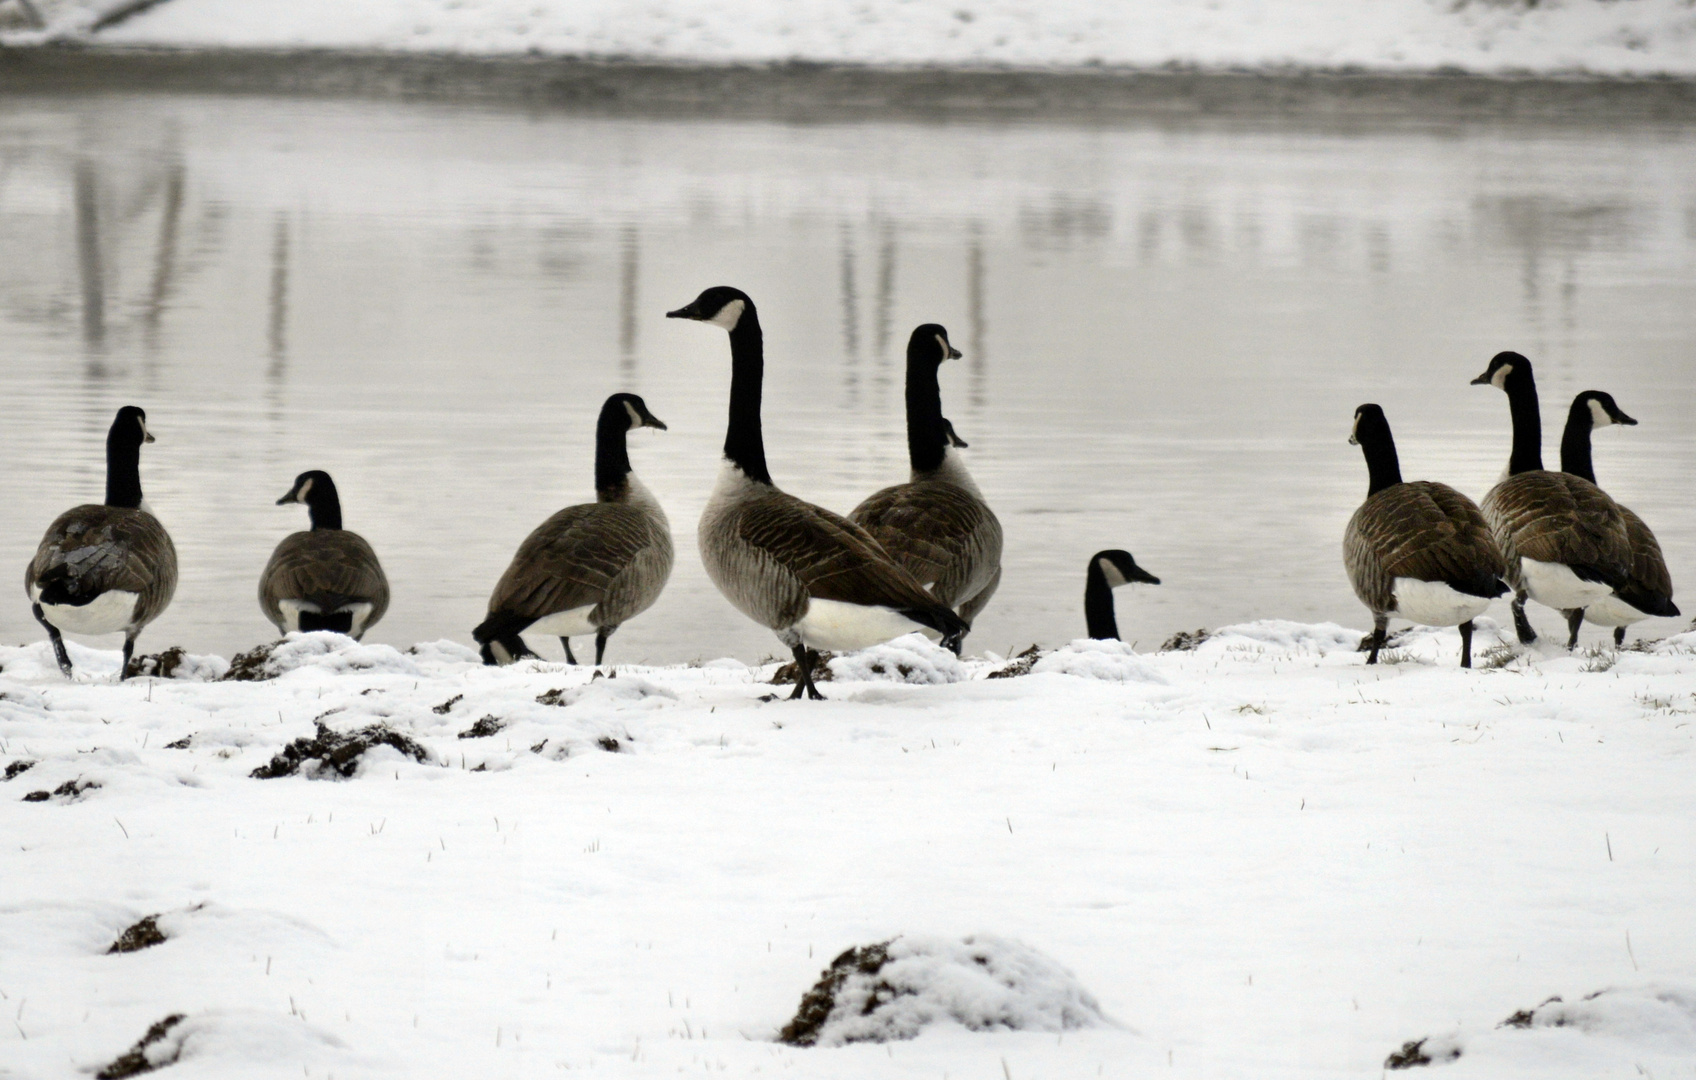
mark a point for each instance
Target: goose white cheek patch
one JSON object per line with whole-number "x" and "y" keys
{"x": 728, "y": 315}
{"x": 1599, "y": 416}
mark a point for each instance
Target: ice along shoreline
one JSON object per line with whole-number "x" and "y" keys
{"x": 800, "y": 91}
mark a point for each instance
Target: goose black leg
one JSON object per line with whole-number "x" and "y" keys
{"x": 601, "y": 636}
{"x": 805, "y": 658}
{"x": 1574, "y": 619}
{"x": 1619, "y": 636}
{"x": 59, "y": 652}
{"x": 570, "y": 659}
{"x": 1520, "y": 623}
{"x": 1380, "y": 624}
{"x": 1466, "y": 643}
{"x": 129, "y": 651}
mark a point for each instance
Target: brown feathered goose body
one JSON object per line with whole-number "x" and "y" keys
{"x": 325, "y": 578}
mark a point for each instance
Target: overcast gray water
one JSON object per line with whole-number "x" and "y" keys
{"x": 1166, "y": 330}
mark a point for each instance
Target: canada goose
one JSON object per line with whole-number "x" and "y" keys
{"x": 1418, "y": 550}
{"x": 327, "y": 578}
{"x": 815, "y": 578}
{"x": 1564, "y": 539}
{"x": 589, "y": 567}
{"x": 1649, "y": 575}
{"x": 936, "y": 526}
{"x": 1107, "y": 571}
{"x": 105, "y": 568}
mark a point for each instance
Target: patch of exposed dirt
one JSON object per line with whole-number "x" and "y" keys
{"x": 18, "y": 768}
{"x": 134, "y": 1061}
{"x": 336, "y": 752}
{"x": 1413, "y": 1054}
{"x": 252, "y": 665}
{"x": 1019, "y": 665}
{"x": 447, "y": 706}
{"x": 143, "y": 935}
{"x": 180, "y": 744}
{"x": 787, "y": 674}
{"x": 482, "y": 729}
{"x": 69, "y": 791}
{"x": 817, "y": 1003}
{"x": 1186, "y": 640}
{"x": 1395, "y": 639}
{"x": 609, "y": 744}
{"x": 161, "y": 665}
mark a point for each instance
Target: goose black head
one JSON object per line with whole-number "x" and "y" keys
{"x": 1119, "y": 568}
{"x": 720, "y": 305}
{"x": 954, "y": 439}
{"x": 129, "y": 427}
{"x": 1503, "y": 366}
{"x": 633, "y": 410}
{"x": 1600, "y": 405}
{"x": 317, "y": 492}
{"x": 1370, "y": 425}
{"x": 930, "y": 342}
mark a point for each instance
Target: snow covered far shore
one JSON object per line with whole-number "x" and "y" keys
{"x": 1602, "y": 37}
{"x": 1257, "y": 857}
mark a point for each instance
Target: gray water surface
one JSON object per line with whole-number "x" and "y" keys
{"x": 1166, "y": 330}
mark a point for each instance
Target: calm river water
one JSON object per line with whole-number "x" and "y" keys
{"x": 1166, "y": 330}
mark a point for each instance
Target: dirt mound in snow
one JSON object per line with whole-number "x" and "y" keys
{"x": 894, "y": 989}
{"x": 153, "y": 1050}
{"x": 143, "y": 935}
{"x": 336, "y": 752}
{"x": 1432, "y": 1050}
{"x": 177, "y": 663}
{"x": 335, "y": 653}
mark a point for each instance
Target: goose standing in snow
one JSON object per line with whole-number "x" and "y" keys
{"x": 936, "y": 526}
{"x": 326, "y": 578}
{"x": 592, "y": 566}
{"x": 1418, "y": 550}
{"x": 1107, "y": 571}
{"x": 1564, "y": 539}
{"x": 105, "y": 568}
{"x": 818, "y": 580}
{"x": 1650, "y": 578}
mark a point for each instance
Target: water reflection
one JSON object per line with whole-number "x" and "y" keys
{"x": 1181, "y": 323}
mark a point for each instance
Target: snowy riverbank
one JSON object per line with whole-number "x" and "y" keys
{"x": 1641, "y": 37}
{"x": 1259, "y": 856}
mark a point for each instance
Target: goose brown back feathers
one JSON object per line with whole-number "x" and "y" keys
{"x": 94, "y": 549}
{"x": 614, "y": 555}
{"x": 327, "y": 567}
{"x": 1559, "y": 518}
{"x": 945, "y": 536}
{"x": 1422, "y": 530}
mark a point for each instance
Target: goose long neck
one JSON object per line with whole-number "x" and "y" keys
{"x": 1383, "y": 466}
{"x": 612, "y": 454}
{"x": 744, "y": 441}
{"x": 323, "y": 505}
{"x": 926, "y": 441}
{"x": 1575, "y": 442}
{"x": 1098, "y": 605}
{"x": 123, "y": 471}
{"x": 1527, "y": 453}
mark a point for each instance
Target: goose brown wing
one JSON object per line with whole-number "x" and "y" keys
{"x": 1560, "y": 518}
{"x": 1650, "y": 578}
{"x": 572, "y": 560}
{"x": 1422, "y": 530}
{"x": 943, "y": 535}
{"x": 94, "y": 549}
{"x": 330, "y": 567}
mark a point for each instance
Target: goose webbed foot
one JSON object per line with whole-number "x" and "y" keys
{"x": 1521, "y": 624}
{"x": 59, "y": 652}
{"x": 1466, "y": 644}
{"x": 1574, "y": 619}
{"x": 569, "y": 658}
{"x": 805, "y": 658}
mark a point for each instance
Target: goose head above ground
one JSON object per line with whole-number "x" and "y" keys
{"x": 129, "y": 427}
{"x": 315, "y": 490}
{"x": 1107, "y": 571}
{"x": 1504, "y": 366}
{"x": 721, "y": 305}
{"x": 123, "y": 457}
{"x": 929, "y": 343}
{"x": 1117, "y": 567}
{"x": 620, "y": 415}
{"x": 1600, "y": 408}
{"x": 1372, "y": 434}
{"x": 1590, "y": 409}
{"x": 630, "y": 410}
{"x": 1511, "y": 373}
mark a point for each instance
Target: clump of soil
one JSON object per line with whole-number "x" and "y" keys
{"x": 445, "y": 707}
{"x": 162, "y": 665}
{"x": 817, "y": 1003}
{"x": 336, "y": 752}
{"x": 18, "y": 768}
{"x": 787, "y": 674}
{"x": 143, "y": 935}
{"x": 134, "y": 1061}
{"x": 1019, "y": 665}
{"x": 556, "y": 696}
{"x": 1413, "y": 1053}
{"x": 252, "y": 665}
{"x": 609, "y": 744}
{"x": 1395, "y": 639}
{"x": 1524, "y": 1018}
{"x": 70, "y": 791}
{"x": 180, "y": 744}
{"x": 1186, "y": 640}
{"x": 482, "y": 729}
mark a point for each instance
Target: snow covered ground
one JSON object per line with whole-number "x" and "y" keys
{"x": 1255, "y": 858}
{"x": 1634, "y": 37}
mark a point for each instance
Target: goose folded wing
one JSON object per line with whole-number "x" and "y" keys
{"x": 831, "y": 557}
{"x": 1564, "y": 519}
{"x": 1651, "y": 581}
{"x": 332, "y": 568}
{"x": 571, "y": 560}
{"x": 936, "y": 532}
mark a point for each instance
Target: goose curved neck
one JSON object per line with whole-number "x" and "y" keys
{"x": 1575, "y": 442}
{"x": 1383, "y": 466}
{"x": 744, "y": 440}
{"x": 927, "y": 442}
{"x": 1098, "y": 605}
{"x": 323, "y": 505}
{"x": 1527, "y": 455}
{"x": 123, "y": 471}
{"x": 612, "y": 453}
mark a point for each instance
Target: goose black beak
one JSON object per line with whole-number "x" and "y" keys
{"x": 1139, "y": 574}
{"x": 654, "y": 422}
{"x": 1621, "y": 418}
{"x": 688, "y": 311}
{"x": 1482, "y": 380}
{"x": 146, "y": 436}
{"x": 286, "y": 499}
{"x": 1354, "y": 440}
{"x": 953, "y": 353}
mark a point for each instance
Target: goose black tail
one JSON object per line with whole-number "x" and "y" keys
{"x": 1649, "y": 603}
{"x": 952, "y": 628}
{"x": 1485, "y": 586}
{"x": 501, "y": 628}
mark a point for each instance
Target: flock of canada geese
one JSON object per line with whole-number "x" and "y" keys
{"x": 924, "y": 555}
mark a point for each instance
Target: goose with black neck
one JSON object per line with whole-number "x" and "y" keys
{"x": 326, "y": 578}
{"x": 1107, "y": 571}
{"x": 816, "y": 579}
{"x": 937, "y": 525}
{"x": 591, "y": 567}
{"x": 105, "y": 568}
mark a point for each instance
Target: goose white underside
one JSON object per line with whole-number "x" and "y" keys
{"x": 843, "y": 627}
{"x": 1612, "y": 611}
{"x": 291, "y": 610}
{"x": 107, "y": 613}
{"x": 1555, "y": 585}
{"x": 1434, "y": 603}
{"x": 571, "y": 623}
